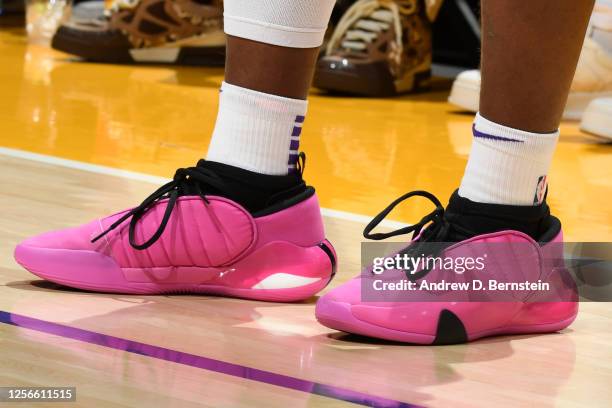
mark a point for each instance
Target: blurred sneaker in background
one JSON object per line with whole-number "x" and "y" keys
{"x": 378, "y": 48}
{"x": 597, "y": 118}
{"x": 593, "y": 78}
{"x": 186, "y": 32}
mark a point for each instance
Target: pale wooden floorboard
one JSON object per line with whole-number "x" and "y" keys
{"x": 568, "y": 369}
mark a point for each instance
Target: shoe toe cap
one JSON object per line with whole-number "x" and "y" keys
{"x": 357, "y": 77}
{"x": 67, "y": 257}
{"x": 76, "y": 238}
{"x": 337, "y": 64}
{"x": 343, "y": 309}
{"x": 471, "y": 76}
{"x": 83, "y": 269}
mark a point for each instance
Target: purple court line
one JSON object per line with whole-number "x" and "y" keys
{"x": 204, "y": 363}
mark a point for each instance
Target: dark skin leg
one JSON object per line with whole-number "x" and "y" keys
{"x": 269, "y": 68}
{"x": 529, "y": 54}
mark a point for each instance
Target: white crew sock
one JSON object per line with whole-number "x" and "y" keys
{"x": 257, "y": 131}
{"x": 254, "y": 130}
{"x": 506, "y": 165}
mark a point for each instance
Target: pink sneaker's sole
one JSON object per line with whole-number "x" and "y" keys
{"x": 338, "y": 316}
{"x": 286, "y": 263}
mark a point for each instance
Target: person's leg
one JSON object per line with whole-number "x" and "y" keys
{"x": 268, "y": 68}
{"x": 272, "y": 48}
{"x": 529, "y": 55}
{"x": 542, "y": 53}
{"x": 240, "y": 223}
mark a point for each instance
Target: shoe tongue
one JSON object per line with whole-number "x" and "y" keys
{"x": 483, "y": 218}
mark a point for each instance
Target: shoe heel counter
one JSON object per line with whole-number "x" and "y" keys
{"x": 300, "y": 224}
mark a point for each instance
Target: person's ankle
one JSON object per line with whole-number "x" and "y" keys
{"x": 485, "y": 218}
{"x": 507, "y": 165}
{"x": 255, "y": 191}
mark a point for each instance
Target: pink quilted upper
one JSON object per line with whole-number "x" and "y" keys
{"x": 196, "y": 235}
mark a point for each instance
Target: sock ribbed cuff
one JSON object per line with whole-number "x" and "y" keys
{"x": 257, "y": 131}
{"x": 507, "y": 165}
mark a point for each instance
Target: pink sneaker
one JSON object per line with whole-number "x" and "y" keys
{"x": 368, "y": 305}
{"x": 182, "y": 241}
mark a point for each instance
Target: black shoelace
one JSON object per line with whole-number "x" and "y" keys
{"x": 439, "y": 232}
{"x": 189, "y": 180}
{"x": 186, "y": 181}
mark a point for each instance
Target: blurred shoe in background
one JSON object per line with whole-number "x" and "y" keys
{"x": 593, "y": 78}
{"x": 378, "y": 48}
{"x": 597, "y": 118}
{"x": 188, "y": 32}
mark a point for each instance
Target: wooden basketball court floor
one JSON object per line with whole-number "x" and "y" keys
{"x": 81, "y": 140}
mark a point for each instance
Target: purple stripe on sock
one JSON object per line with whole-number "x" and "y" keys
{"x": 492, "y": 137}
{"x": 204, "y": 363}
{"x": 295, "y": 144}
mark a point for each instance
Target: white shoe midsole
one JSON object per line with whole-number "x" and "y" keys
{"x": 170, "y": 52}
{"x": 284, "y": 281}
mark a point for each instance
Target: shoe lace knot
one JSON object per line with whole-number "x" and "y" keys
{"x": 190, "y": 180}
{"x": 430, "y": 236}
{"x": 437, "y": 225}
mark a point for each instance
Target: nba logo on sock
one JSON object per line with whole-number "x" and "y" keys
{"x": 540, "y": 190}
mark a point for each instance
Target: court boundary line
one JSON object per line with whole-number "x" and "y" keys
{"x": 149, "y": 178}
{"x": 200, "y": 362}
